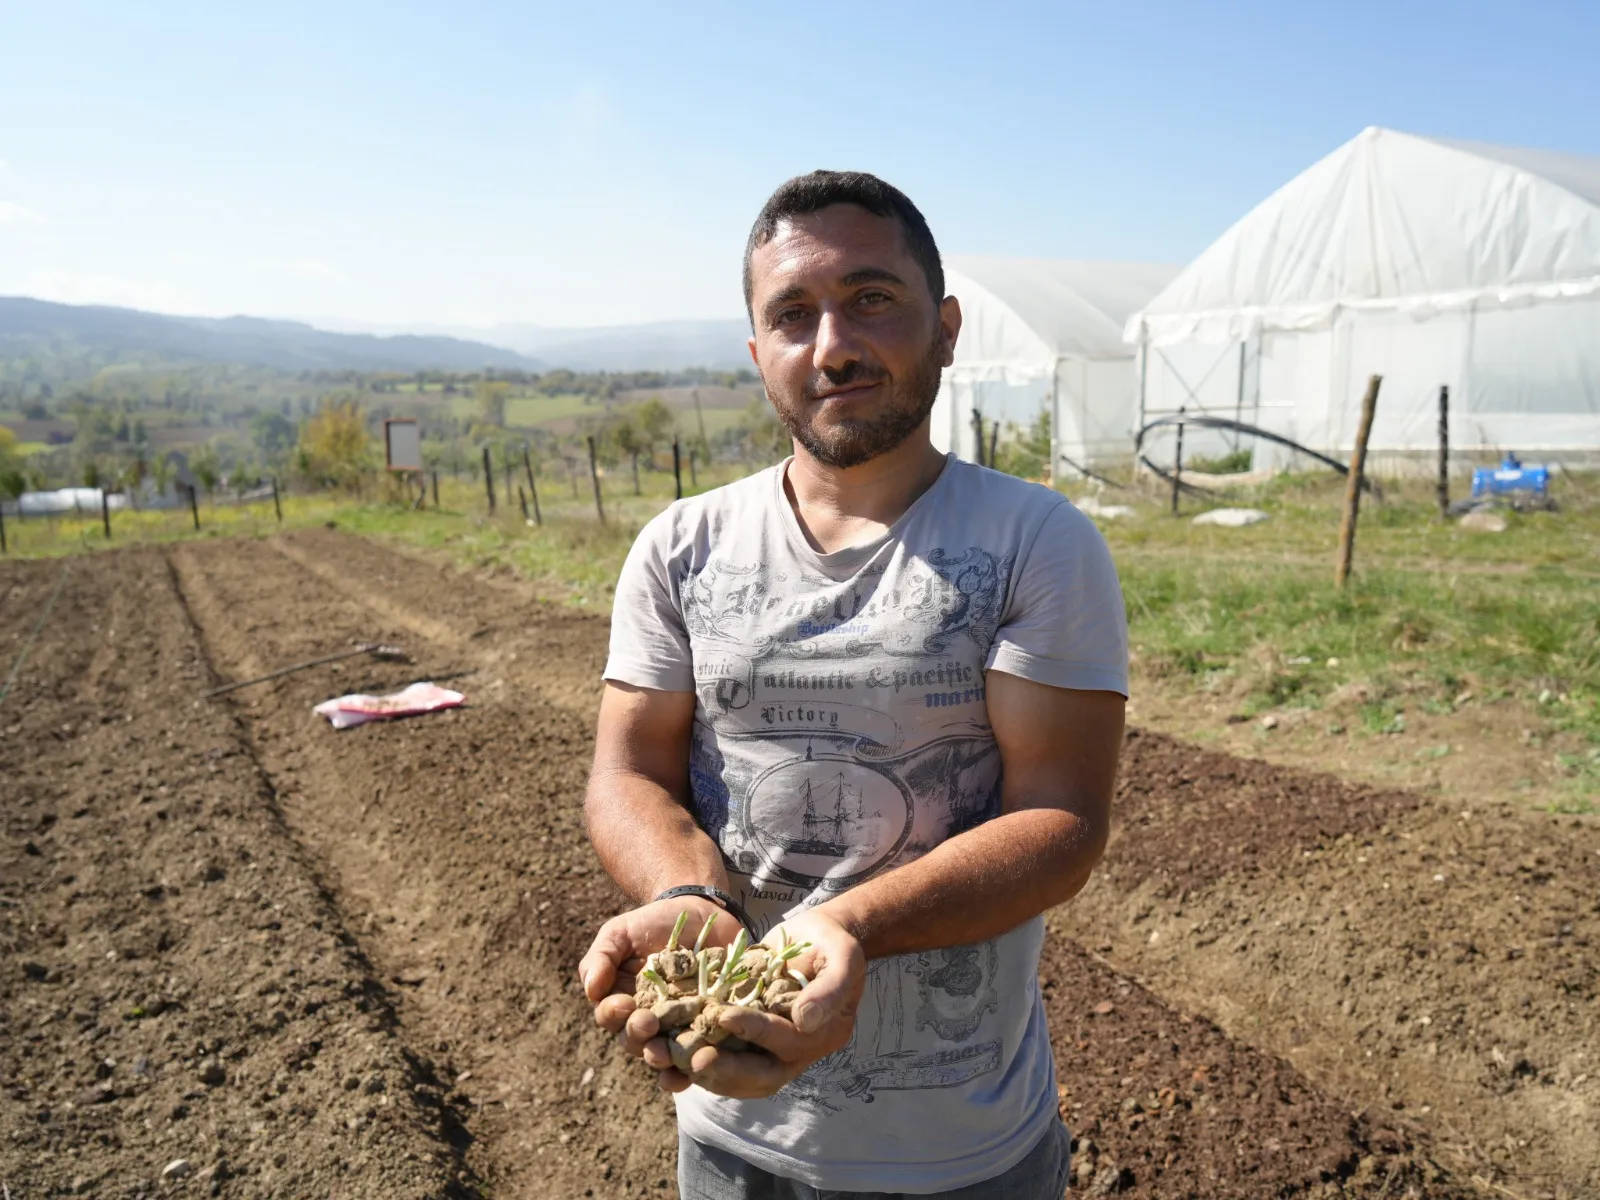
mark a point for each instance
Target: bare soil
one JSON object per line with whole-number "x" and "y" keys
{"x": 311, "y": 962}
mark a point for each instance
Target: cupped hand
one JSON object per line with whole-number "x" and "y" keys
{"x": 823, "y": 1018}
{"x": 617, "y": 955}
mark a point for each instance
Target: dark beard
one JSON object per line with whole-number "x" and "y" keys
{"x": 852, "y": 443}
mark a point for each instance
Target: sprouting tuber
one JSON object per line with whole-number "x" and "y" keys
{"x": 687, "y": 989}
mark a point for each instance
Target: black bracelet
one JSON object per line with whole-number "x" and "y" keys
{"x": 719, "y": 897}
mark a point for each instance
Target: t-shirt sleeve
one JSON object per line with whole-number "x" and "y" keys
{"x": 1065, "y": 626}
{"x": 649, "y": 643}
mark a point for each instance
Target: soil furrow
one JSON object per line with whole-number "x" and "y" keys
{"x": 459, "y": 836}
{"x": 175, "y": 984}
{"x": 455, "y": 846}
{"x": 1441, "y": 964}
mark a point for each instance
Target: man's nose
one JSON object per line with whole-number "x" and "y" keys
{"x": 836, "y": 344}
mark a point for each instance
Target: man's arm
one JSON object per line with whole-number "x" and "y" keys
{"x": 637, "y": 815}
{"x": 636, "y": 808}
{"x": 1058, "y": 753}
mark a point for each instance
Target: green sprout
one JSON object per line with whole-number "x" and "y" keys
{"x": 677, "y": 930}
{"x": 705, "y": 932}
{"x": 652, "y": 977}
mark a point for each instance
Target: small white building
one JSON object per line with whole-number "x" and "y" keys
{"x": 1429, "y": 262}
{"x": 1046, "y": 334}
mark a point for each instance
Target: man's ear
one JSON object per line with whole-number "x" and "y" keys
{"x": 752, "y": 344}
{"x": 949, "y": 328}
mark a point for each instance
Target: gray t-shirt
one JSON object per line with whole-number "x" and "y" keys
{"x": 840, "y": 730}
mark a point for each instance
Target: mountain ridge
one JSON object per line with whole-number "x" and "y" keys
{"x": 30, "y": 326}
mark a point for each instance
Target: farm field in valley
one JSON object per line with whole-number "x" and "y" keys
{"x": 309, "y": 962}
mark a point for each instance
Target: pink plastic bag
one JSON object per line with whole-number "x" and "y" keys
{"x": 418, "y": 698}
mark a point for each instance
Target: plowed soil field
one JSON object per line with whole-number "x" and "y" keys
{"x": 309, "y": 963}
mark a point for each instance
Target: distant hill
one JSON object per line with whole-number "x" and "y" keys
{"x": 717, "y": 345}
{"x": 42, "y": 328}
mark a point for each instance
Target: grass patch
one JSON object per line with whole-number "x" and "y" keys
{"x": 1434, "y": 618}
{"x": 572, "y": 557}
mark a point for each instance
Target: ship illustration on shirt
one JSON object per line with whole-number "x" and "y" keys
{"x": 829, "y": 833}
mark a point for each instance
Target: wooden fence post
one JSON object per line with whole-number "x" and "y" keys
{"x": 636, "y": 490}
{"x": 677, "y": 471}
{"x": 694, "y": 476}
{"x": 1444, "y": 451}
{"x": 194, "y": 504}
{"x": 436, "y": 490}
{"x": 1352, "y": 491}
{"x": 277, "y": 505}
{"x": 105, "y": 512}
{"x": 533, "y": 491}
{"x": 994, "y": 441}
{"x": 522, "y": 499}
{"x": 488, "y": 478}
{"x": 3, "y": 549}
{"x": 594, "y": 475}
{"x": 1177, "y": 465}
{"x": 977, "y": 436}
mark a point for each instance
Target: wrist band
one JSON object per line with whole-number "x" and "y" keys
{"x": 717, "y": 896}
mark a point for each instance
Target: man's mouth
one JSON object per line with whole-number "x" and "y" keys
{"x": 848, "y": 390}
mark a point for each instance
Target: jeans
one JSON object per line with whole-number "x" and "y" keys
{"x": 707, "y": 1173}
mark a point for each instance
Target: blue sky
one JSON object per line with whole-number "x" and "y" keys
{"x": 589, "y": 164}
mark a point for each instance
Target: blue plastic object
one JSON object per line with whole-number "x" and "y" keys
{"x": 1511, "y": 478}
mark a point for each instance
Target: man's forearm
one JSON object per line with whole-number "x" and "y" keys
{"x": 646, "y": 840}
{"x": 974, "y": 886}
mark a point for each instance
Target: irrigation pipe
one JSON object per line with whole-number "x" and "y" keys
{"x": 376, "y": 649}
{"x": 1088, "y": 474}
{"x": 22, "y": 655}
{"x": 1208, "y": 422}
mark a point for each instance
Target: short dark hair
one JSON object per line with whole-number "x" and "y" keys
{"x": 822, "y": 189}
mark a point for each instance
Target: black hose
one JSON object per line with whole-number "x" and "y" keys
{"x": 1088, "y": 474}
{"x": 1208, "y": 422}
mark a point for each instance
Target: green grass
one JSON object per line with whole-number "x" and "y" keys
{"x": 1433, "y": 617}
{"x": 571, "y": 556}
{"x": 531, "y": 412}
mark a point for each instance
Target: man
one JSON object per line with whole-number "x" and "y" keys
{"x": 876, "y": 694}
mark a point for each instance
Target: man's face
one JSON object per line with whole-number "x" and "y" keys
{"x": 848, "y": 339}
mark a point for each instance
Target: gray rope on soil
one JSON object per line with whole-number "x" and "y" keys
{"x": 22, "y": 655}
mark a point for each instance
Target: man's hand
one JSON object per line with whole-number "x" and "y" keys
{"x": 824, "y": 1016}
{"x": 613, "y": 962}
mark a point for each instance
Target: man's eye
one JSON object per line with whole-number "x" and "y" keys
{"x": 786, "y": 316}
{"x": 874, "y": 297}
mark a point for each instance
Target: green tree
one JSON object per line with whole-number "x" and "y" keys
{"x": 761, "y": 436}
{"x": 161, "y": 473}
{"x": 491, "y": 395}
{"x": 205, "y": 467}
{"x": 1026, "y": 452}
{"x": 655, "y": 423}
{"x": 12, "y": 480}
{"x": 272, "y": 433}
{"x": 334, "y": 446}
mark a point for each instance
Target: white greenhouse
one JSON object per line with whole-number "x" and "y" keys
{"x": 1432, "y": 263}
{"x": 1045, "y": 335}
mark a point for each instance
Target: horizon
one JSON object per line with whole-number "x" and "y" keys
{"x": 376, "y": 169}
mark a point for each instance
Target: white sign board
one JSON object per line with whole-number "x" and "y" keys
{"x": 403, "y": 443}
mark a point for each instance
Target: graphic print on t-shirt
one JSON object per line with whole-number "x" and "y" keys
{"x": 803, "y": 770}
{"x": 953, "y": 990}
{"x": 827, "y": 817}
{"x": 834, "y": 792}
